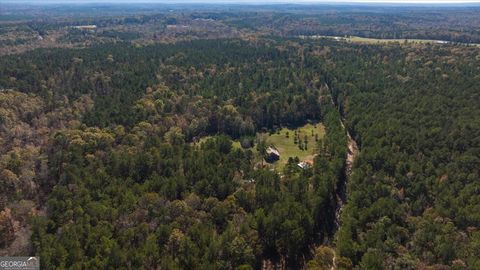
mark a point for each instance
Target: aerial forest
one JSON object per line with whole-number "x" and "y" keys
{"x": 131, "y": 155}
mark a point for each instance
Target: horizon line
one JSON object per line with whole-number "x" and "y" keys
{"x": 250, "y": 2}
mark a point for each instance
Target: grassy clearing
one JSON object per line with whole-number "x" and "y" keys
{"x": 363, "y": 40}
{"x": 377, "y": 40}
{"x": 287, "y": 147}
{"x": 235, "y": 143}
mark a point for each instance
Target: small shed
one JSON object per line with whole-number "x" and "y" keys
{"x": 305, "y": 164}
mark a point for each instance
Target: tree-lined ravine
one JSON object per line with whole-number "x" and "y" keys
{"x": 341, "y": 187}
{"x": 342, "y": 184}
{"x": 352, "y": 152}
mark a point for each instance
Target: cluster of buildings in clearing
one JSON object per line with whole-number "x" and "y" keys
{"x": 272, "y": 154}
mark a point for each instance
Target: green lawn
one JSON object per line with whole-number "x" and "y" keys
{"x": 235, "y": 143}
{"x": 288, "y": 148}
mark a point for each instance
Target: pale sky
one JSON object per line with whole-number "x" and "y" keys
{"x": 326, "y": 1}
{"x": 310, "y": 1}
{"x": 252, "y": 1}
{"x": 264, "y": 1}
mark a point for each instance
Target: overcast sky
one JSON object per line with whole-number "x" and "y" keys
{"x": 251, "y": 1}
{"x": 303, "y": 1}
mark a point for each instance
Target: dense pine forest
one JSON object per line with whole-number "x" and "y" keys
{"x": 413, "y": 195}
{"x": 127, "y": 166}
{"x": 138, "y": 152}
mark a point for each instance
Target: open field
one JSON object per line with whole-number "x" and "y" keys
{"x": 287, "y": 147}
{"x": 235, "y": 143}
{"x": 364, "y": 40}
{"x": 378, "y": 40}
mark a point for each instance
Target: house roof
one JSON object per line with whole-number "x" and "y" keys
{"x": 272, "y": 150}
